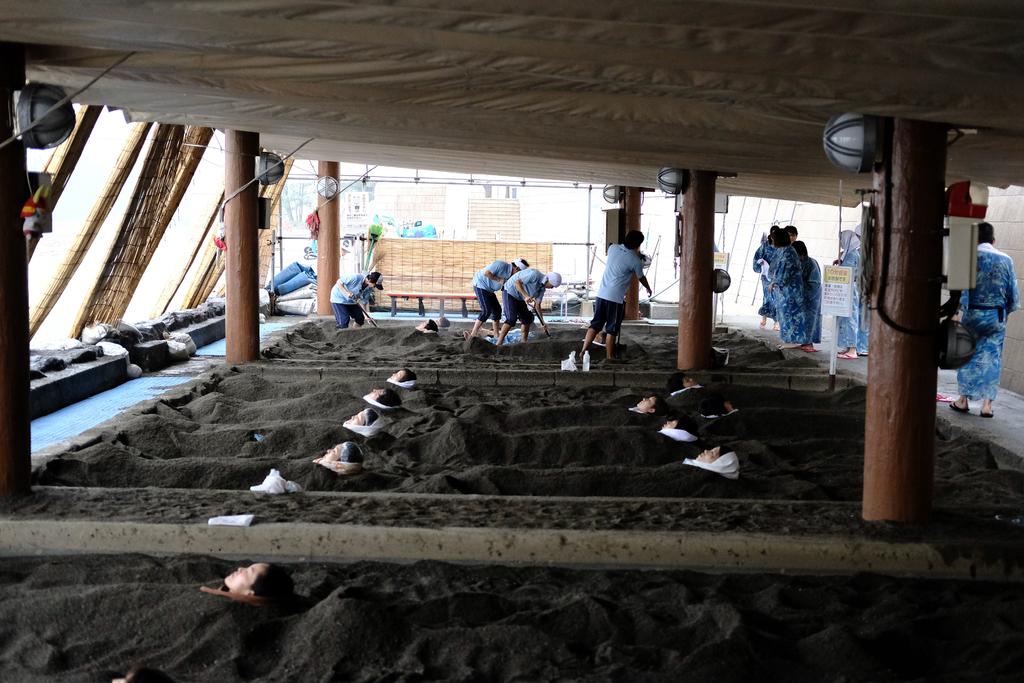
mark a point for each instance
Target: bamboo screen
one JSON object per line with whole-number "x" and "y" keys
{"x": 434, "y": 266}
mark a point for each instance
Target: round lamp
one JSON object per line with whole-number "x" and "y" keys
{"x": 954, "y": 344}
{"x": 50, "y": 129}
{"x": 720, "y": 280}
{"x": 270, "y": 168}
{"x": 850, "y": 141}
{"x": 673, "y": 180}
{"x": 612, "y": 194}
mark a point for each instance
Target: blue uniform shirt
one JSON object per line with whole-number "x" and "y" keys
{"x": 354, "y": 284}
{"x": 498, "y": 269}
{"x": 533, "y": 283}
{"x": 621, "y": 264}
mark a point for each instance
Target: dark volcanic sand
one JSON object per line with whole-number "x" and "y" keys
{"x": 71, "y": 619}
{"x": 645, "y": 348}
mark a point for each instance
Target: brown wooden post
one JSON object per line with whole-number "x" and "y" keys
{"x": 240, "y": 214}
{"x": 634, "y": 198}
{"x": 899, "y": 435}
{"x": 328, "y": 245}
{"x": 15, "y": 418}
{"x": 696, "y": 263}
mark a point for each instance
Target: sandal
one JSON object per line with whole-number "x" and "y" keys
{"x": 808, "y": 348}
{"x": 847, "y": 356}
{"x": 964, "y": 409}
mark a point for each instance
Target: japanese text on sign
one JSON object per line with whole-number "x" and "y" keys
{"x": 837, "y": 291}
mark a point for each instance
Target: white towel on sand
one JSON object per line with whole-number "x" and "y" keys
{"x": 365, "y": 430}
{"x": 276, "y": 484}
{"x": 231, "y": 520}
{"x": 377, "y": 404}
{"x": 408, "y": 384}
{"x": 678, "y": 434}
{"x": 684, "y": 389}
{"x": 727, "y": 465}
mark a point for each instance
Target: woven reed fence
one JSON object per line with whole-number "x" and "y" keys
{"x": 170, "y": 164}
{"x": 434, "y": 266}
{"x": 97, "y": 216}
{"x": 205, "y": 234}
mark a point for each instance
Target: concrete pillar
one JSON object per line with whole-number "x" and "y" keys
{"x": 634, "y": 197}
{"x": 696, "y": 263}
{"x": 242, "y": 265}
{"x": 899, "y": 439}
{"x": 328, "y": 245}
{"x": 15, "y": 418}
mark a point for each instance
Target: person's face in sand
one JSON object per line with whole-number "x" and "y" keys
{"x": 242, "y": 580}
{"x": 400, "y": 376}
{"x": 649, "y": 404}
{"x": 364, "y": 418}
{"x": 332, "y": 455}
{"x": 689, "y": 382}
{"x": 427, "y": 327}
{"x": 711, "y": 455}
{"x": 671, "y": 423}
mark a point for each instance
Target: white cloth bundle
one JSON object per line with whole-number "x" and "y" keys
{"x": 678, "y": 434}
{"x": 377, "y": 404}
{"x": 569, "y": 364}
{"x": 407, "y": 384}
{"x": 727, "y": 465}
{"x": 232, "y": 520}
{"x": 276, "y": 484}
{"x": 365, "y": 430}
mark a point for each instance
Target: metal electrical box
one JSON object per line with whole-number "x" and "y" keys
{"x": 614, "y": 227}
{"x": 961, "y": 254}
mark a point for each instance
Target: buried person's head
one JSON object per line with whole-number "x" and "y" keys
{"x": 364, "y": 418}
{"x": 261, "y": 580}
{"x": 404, "y": 377}
{"x": 715, "y": 405}
{"x": 344, "y": 458}
{"x": 384, "y": 398}
{"x": 678, "y": 381}
{"x": 651, "y": 404}
{"x": 427, "y": 327}
{"x": 680, "y": 422}
{"x": 709, "y": 456}
{"x": 144, "y": 674}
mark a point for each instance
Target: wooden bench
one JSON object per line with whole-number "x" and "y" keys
{"x": 440, "y": 297}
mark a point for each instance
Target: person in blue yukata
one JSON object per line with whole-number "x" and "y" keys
{"x": 762, "y": 260}
{"x": 348, "y": 295}
{"x": 787, "y": 286}
{"x": 984, "y": 311}
{"x": 486, "y": 282}
{"x": 849, "y": 328}
{"x": 811, "y": 273}
{"x": 522, "y": 292}
{"x": 624, "y": 261}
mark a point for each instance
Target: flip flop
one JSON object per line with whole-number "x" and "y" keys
{"x": 847, "y": 356}
{"x": 808, "y": 348}
{"x": 987, "y": 414}
{"x": 958, "y": 409}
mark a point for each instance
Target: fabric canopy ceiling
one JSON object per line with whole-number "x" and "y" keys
{"x": 600, "y": 92}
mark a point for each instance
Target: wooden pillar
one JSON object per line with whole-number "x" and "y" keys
{"x": 15, "y": 420}
{"x": 631, "y": 208}
{"x": 696, "y": 263}
{"x": 240, "y": 214}
{"x": 328, "y": 246}
{"x": 899, "y": 437}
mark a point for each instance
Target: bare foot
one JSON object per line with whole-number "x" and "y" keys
{"x": 788, "y": 346}
{"x": 466, "y": 335}
{"x": 776, "y": 327}
{"x": 764, "y": 321}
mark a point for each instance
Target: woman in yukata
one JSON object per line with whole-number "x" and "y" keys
{"x": 849, "y": 328}
{"x": 812, "y": 297}
{"x": 787, "y": 287}
{"x": 762, "y": 260}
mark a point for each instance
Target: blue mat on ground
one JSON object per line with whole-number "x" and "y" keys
{"x": 78, "y": 417}
{"x": 219, "y": 348}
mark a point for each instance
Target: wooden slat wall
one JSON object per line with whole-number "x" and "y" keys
{"x": 421, "y": 265}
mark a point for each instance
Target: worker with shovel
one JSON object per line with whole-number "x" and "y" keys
{"x": 523, "y": 294}
{"x": 348, "y": 295}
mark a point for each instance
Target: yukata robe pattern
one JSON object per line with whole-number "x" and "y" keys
{"x": 849, "y": 328}
{"x": 788, "y": 286}
{"x": 812, "y": 299}
{"x": 996, "y": 289}
{"x": 765, "y": 252}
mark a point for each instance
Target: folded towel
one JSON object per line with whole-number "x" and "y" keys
{"x": 408, "y": 384}
{"x": 727, "y": 465}
{"x": 376, "y": 404}
{"x": 678, "y": 434}
{"x": 365, "y": 430}
{"x": 231, "y": 520}
{"x": 569, "y": 364}
{"x": 276, "y": 484}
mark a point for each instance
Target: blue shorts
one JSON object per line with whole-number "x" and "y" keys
{"x": 607, "y": 314}
{"x": 516, "y": 309}
{"x": 345, "y": 312}
{"x": 489, "y": 306}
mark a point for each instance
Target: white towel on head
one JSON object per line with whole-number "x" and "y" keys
{"x": 407, "y": 384}
{"x": 365, "y": 430}
{"x": 231, "y": 520}
{"x": 695, "y": 386}
{"x": 377, "y": 404}
{"x": 678, "y": 434}
{"x": 276, "y": 484}
{"x": 727, "y": 465}
{"x": 634, "y": 409}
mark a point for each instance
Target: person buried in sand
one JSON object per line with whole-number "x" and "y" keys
{"x": 385, "y": 399}
{"x": 624, "y": 262}
{"x": 259, "y": 583}
{"x": 366, "y": 423}
{"x": 143, "y": 674}
{"x": 651, "y": 404}
{"x": 715, "y": 405}
{"x": 678, "y": 383}
{"x": 486, "y": 283}
{"x": 348, "y": 295}
{"x": 404, "y": 378}
{"x": 427, "y": 327}
{"x": 344, "y": 458}
{"x": 525, "y": 291}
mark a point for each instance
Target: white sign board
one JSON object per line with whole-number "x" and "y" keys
{"x": 722, "y": 260}
{"x": 837, "y": 291}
